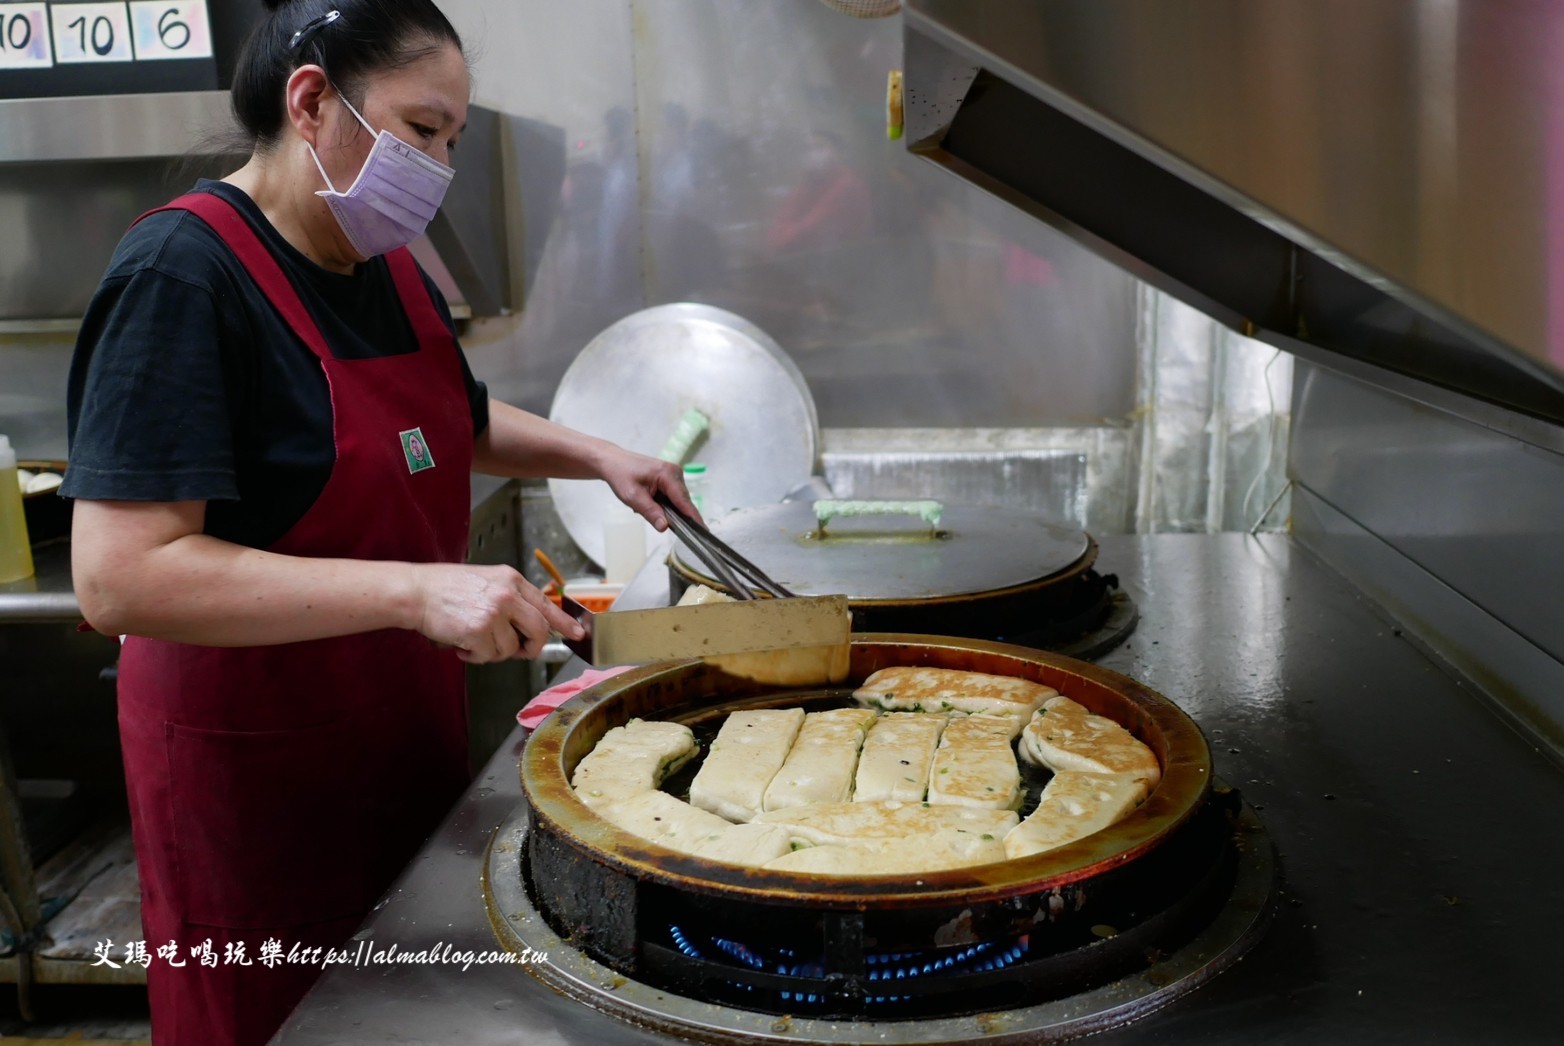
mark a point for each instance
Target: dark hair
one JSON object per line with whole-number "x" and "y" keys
{"x": 366, "y": 36}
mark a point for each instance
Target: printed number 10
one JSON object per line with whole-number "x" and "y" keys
{"x": 16, "y": 32}
{"x": 98, "y": 23}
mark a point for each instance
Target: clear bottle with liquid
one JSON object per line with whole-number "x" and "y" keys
{"x": 16, "y": 553}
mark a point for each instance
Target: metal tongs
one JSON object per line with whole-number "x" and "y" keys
{"x": 742, "y": 579}
{"x": 784, "y": 641}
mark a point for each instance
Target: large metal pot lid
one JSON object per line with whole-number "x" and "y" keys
{"x": 972, "y": 550}
{"x": 634, "y": 382}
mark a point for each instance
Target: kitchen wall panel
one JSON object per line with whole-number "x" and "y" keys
{"x": 33, "y": 367}
{"x": 1475, "y": 507}
{"x": 1450, "y": 522}
{"x": 736, "y": 154}
{"x": 1212, "y": 424}
{"x": 563, "y": 75}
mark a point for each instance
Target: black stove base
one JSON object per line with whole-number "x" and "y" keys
{"x": 1139, "y": 978}
{"x": 1107, "y": 620}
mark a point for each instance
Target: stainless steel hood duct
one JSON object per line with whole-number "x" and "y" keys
{"x": 1382, "y": 181}
{"x": 76, "y": 171}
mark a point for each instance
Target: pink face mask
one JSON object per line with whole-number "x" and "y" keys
{"x": 394, "y": 197}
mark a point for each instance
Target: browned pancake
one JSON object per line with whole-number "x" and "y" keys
{"x": 896, "y": 756}
{"x": 913, "y": 689}
{"x": 1065, "y": 736}
{"x": 1073, "y": 806}
{"x": 975, "y": 765}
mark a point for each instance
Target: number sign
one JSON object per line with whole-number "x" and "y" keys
{"x": 91, "y": 33}
{"x": 24, "y": 37}
{"x": 41, "y": 35}
{"x": 168, "y": 29}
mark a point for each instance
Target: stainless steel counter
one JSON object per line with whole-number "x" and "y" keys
{"x": 47, "y": 595}
{"x": 1419, "y": 859}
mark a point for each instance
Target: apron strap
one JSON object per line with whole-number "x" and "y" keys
{"x": 235, "y": 231}
{"x": 232, "y": 228}
{"x": 428, "y": 327}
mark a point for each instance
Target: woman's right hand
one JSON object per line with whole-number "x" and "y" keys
{"x": 488, "y": 613}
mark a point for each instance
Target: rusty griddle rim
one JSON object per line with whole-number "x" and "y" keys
{"x": 1022, "y": 591}
{"x": 678, "y": 690}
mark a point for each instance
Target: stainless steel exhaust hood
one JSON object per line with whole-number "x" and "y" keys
{"x": 75, "y": 171}
{"x": 1381, "y": 181}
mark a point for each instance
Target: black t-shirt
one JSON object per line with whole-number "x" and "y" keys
{"x": 188, "y": 386}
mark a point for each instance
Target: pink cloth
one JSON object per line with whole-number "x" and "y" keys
{"x": 540, "y": 707}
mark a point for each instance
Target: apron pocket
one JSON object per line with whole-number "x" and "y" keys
{"x": 268, "y": 825}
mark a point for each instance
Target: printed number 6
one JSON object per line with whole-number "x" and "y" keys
{"x": 169, "y": 26}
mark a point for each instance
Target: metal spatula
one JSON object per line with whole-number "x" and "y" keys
{"x": 786, "y": 639}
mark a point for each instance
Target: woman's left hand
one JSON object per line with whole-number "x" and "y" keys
{"x": 520, "y": 444}
{"x": 636, "y": 479}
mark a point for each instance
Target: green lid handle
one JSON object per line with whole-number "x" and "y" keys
{"x": 827, "y": 509}
{"x": 684, "y": 436}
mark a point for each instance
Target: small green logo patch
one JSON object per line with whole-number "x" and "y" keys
{"x": 416, "y": 450}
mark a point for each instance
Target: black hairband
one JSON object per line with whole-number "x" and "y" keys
{"x": 312, "y": 27}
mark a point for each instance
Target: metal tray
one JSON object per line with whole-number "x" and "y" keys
{"x": 635, "y": 380}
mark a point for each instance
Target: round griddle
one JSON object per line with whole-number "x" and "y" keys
{"x": 1067, "y": 920}
{"x": 692, "y": 692}
{"x": 635, "y": 380}
{"x": 899, "y": 559}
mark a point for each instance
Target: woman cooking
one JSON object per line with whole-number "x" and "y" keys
{"x": 272, "y": 433}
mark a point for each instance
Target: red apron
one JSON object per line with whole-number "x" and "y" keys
{"x": 276, "y": 791}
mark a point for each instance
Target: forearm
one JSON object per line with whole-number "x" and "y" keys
{"x": 520, "y": 444}
{"x": 524, "y": 445}
{"x": 199, "y": 589}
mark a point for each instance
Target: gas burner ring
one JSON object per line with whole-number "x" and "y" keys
{"x": 1241, "y": 921}
{"x": 1158, "y": 877}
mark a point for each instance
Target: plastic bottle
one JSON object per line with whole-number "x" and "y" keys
{"x": 16, "y": 553}
{"x": 695, "y": 483}
{"x": 624, "y": 544}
